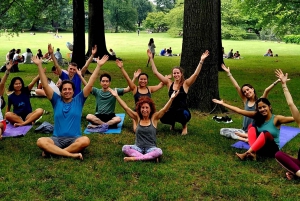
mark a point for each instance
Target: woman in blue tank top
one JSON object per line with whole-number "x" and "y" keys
{"x": 146, "y": 119}
{"x": 264, "y": 134}
{"x": 249, "y": 96}
{"x": 178, "y": 111}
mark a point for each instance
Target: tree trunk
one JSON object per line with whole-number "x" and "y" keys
{"x": 78, "y": 55}
{"x": 202, "y": 31}
{"x": 96, "y": 28}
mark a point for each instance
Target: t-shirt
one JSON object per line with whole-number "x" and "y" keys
{"x": 58, "y": 55}
{"x": 53, "y": 86}
{"x": 76, "y": 80}
{"x": 67, "y": 116}
{"x": 105, "y": 101}
{"x": 21, "y": 103}
{"x": 27, "y": 57}
{"x": 163, "y": 52}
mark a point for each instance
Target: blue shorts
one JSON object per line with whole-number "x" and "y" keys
{"x": 63, "y": 142}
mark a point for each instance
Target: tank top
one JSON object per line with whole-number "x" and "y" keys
{"x": 145, "y": 136}
{"x": 180, "y": 101}
{"x": 137, "y": 95}
{"x": 247, "y": 120}
{"x": 271, "y": 128}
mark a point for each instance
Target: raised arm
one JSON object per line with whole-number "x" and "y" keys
{"x": 162, "y": 111}
{"x": 79, "y": 73}
{"x": 250, "y": 114}
{"x": 131, "y": 84}
{"x": 234, "y": 82}
{"x": 269, "y": 88}
{"x": 44, "y": 80}
{"x": 188, "y": 82}
{"x": 88, "y": 88}
{"x": 155, "y": 71}
{"x": 50, "y": 51}
{"x": 87, "y": 63}
{"x": 5, "y": 76}
{"x": 156, "y": 87}
{"x": 33, "y": 82}
{"x": 129, "y": 111}
{"x": 288, "y": 96}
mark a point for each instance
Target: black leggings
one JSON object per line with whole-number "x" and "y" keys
{"x": 180, "y": 115}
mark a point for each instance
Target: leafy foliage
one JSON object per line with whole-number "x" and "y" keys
{"x": 156, "y": 22}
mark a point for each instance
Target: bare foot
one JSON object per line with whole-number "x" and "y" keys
{"x": 289, "y": 175}
{"x": 128, "y": 159}
{"x": 45, "y": 154}
{"x": 184, "y": 130}
{"x": 18, "y": 124}
{"x": 252, "y": 156}
{"x": 172, "y": 127}
{"x": 243, "y": 139}
{"x": 241, "y": 156}
{"x": 78, "y": 155}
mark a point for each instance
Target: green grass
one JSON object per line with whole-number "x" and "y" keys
{"x": 199, "y": 166}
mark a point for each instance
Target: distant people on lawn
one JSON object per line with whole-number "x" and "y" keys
{"x": 10, "y": 55}
{"x": 105, "y": 105}
{"x": 67, "y": 139}
{"x": 269, "y": 53}
{"x": 169, "y": 52}
{"x": 40, "y": 90}
{"x": 289, "y": 163}
{"x": 27, "y": 56}
{"x": 230, "y": 54}
{"x": 39, "y": 53}
{"x": 248, "y": 95}
{"x": 151, "y": 48}
{"x": 22, "y": 113}
{"x": 237, "y": 55}
{"x": 178, "y": 111}
{"x": 72, "y": 70}
{"x": 16, "y": 59}
{"x": 163, "y": 52}
{"x": 58, "y": 55}
{"x": 146, "y": 119}
{"x": 2, "y": 102}
{"x": 142, "y": 89}
{"x": 263, "y": 135}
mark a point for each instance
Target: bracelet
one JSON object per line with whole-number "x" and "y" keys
{"x": 275, "y": 83}
{"x": 6, "y": 73}
{"x": 229, "y": 74}
{"x": 201, "y": 62}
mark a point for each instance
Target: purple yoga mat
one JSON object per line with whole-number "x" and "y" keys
{"x": 12, "y": 131}
{"x": 286, "y": 134}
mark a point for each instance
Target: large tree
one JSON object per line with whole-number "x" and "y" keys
{"x": 78, "y": 33}
{"x": 202, "y": 31}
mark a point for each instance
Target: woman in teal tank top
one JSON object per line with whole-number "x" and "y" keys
{"x": 264, "y": 135}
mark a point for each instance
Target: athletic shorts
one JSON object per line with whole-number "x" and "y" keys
{"x": 107, "y": 117}
{"x": 63, "y": 142}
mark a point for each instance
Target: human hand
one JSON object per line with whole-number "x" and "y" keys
{"x": 94, "y": 50}
{"x": 220, "y": 102}
{"x": 281, "y": 76}
{"x": 9, "y": 65}
{"x": 119, "y": 63}
{"x": 204, "y": 55}
{"x": 174, "y": 94}
{"x": 227, "y": 70}
{"x": 113, "y": 92}
{"x": 36, "y": 60}
{"x": 78, "y": 72}
{"x": 102, "y": 61}
{"x": 50, "y": 49}
{"x": 137, "y": 73}
{"x": 168, "y": 76}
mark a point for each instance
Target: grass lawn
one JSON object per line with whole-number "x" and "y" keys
{"x": 199, "y": 166}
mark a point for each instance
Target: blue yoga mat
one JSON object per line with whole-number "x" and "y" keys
{"x": 112, "y": 130}
{"x": 286, "y": 134}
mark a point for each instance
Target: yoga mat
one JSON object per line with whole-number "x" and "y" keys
{"x": 286, "y": 134}
{"x": 12, "y": 131}
{"x": 112, "y": 130}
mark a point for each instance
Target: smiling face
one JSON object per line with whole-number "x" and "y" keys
{"x": 72, "y": 70}
{"x": 248, "y": 92}
{"x": 264, "y": 109}
{"x": 67, "y": 91}
{"x": 17, "y": 85}
{"x": 177, "y": 74}
{"x": 145, "y": 110}
{"x": 143, "y": 80}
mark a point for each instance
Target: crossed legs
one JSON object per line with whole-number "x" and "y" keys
{"x": 73, "y": 150}
{"x": 18, "y": 121}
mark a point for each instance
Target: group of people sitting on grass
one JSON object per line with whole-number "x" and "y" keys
{"x": 261, "y": 128}
{"x": 260, "y": 125}
{"x": 67, "y": 139}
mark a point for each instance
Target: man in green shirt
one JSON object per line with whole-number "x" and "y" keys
{"x": 105, "y": 105}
